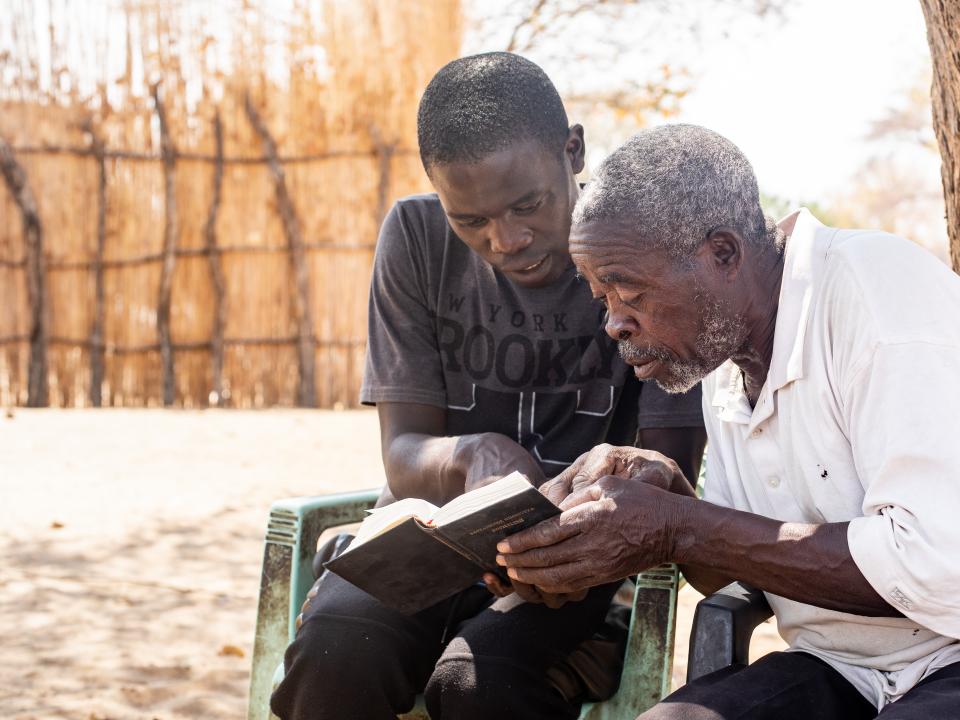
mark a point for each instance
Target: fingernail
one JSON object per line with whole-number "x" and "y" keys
{"x": 512, "y": 573}
{"x": 501, "y": 560}
{"x": 503, "y": 547}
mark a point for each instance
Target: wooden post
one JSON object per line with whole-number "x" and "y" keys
{"x": 306, "y": 390}
{"x": 943, "y": 36}
{"x": 216, "y": 270}
{"x": 96, "y": 330}
{"x": 168, "y": 154}
{"x": 385, "y": 152}
{"x": 16, "y": 179}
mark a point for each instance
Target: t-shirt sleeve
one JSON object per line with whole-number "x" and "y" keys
{"x": 403, "y": 361}
{"x": 660, "y": 409}
{"x": 901, "y": 413}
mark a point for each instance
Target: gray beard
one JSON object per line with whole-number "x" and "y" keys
{"x": 719, "y": 337}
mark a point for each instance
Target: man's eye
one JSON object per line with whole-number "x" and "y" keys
{"x": 474, "y": 223}
{"x": 602, "y": 300}
{"x": 526, "y": 209}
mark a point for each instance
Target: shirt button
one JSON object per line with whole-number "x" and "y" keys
{"x": 756, "y": 433}
{"x": 773, "y": 482}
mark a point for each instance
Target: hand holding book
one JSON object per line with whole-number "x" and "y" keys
{"x": 484, "y": 458}
{"x": 411, "y": 554}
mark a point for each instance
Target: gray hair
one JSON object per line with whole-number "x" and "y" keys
{"x": 674, "y": 184}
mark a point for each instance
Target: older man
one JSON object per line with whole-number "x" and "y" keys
{"x": 832, "y": 366}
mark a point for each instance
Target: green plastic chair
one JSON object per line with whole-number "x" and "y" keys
{"x": 294, "y": 526}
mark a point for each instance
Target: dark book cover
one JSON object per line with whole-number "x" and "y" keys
{"x": 478, "y": 533}
{"x": 406, "y": 568}
{"x": 412, "y": 566}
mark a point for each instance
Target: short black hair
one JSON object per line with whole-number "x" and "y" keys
{"x": 479, "y": 104}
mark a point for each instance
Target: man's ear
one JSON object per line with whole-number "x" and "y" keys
{"x": 575, "y": 148}
{"x": 725, "y": 248}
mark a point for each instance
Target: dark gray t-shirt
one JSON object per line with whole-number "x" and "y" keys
{"x": 534, "y": 364}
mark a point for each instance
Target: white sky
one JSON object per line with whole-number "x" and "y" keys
{"x": 797, "y": 94}
{"x": 799, "y": 97}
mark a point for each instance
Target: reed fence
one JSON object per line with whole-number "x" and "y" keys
{"x": 196, "y": 233}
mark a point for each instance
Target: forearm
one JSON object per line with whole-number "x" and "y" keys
{"x": 804, "y": 562}
{"x": 424, "y": 466}
{"x": 705, "y": 580}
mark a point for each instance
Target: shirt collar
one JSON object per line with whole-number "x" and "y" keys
{"x": 802, "y": 261}
{"x": 729, "y": 398}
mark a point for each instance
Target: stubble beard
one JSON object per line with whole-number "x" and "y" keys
{"x": 721, "y": 334}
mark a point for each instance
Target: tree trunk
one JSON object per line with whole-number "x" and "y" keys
{"x": 943, "y": 35}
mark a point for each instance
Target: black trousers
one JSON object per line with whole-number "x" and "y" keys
{"x": 472, "y": 656}
{"x": 799, "y": 686}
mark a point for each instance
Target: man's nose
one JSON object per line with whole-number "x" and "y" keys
{"x": 619, "y": 325}
{"x": 507, "y": 238}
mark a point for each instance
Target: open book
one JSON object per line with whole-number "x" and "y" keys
{"x": 411, "y": 554}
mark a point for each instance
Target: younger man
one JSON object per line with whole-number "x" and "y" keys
{"x": 486, "y": 354}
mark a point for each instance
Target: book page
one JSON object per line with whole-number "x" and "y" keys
{"x": 382, "y": 519}
{"x": 470, "y": 502}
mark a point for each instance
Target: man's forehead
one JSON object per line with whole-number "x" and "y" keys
{"x": 616, "y": 259}
{"x": 620, "y": 273}
{"x": 491, "y": 203}
{"x": 514, "y": 174}
{"x": 600, "y": 243}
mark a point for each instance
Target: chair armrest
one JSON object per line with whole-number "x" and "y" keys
{"x": 722, "y": 626}
{"x": 648, "y": 661}
{"x": 287, "y": 574}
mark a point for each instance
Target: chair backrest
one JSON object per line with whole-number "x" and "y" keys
{"x": 294, "y": 526}
{"x": 648, "y": 662}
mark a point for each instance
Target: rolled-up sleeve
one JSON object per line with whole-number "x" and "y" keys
{"x": 902, "y": 409}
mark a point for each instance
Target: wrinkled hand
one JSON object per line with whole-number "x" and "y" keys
{"x": 529, "y": 593}
{"x": 628, "y": 463}
{"x": 612, "y": 528}
{"x": 487, "y": 457}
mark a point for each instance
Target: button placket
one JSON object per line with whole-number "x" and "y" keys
{"x": 765, "y": 455}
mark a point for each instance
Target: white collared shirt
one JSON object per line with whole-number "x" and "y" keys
{"x": 858, "y": 420}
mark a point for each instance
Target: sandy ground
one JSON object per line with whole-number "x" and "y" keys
{"x": 131, "y": 543}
